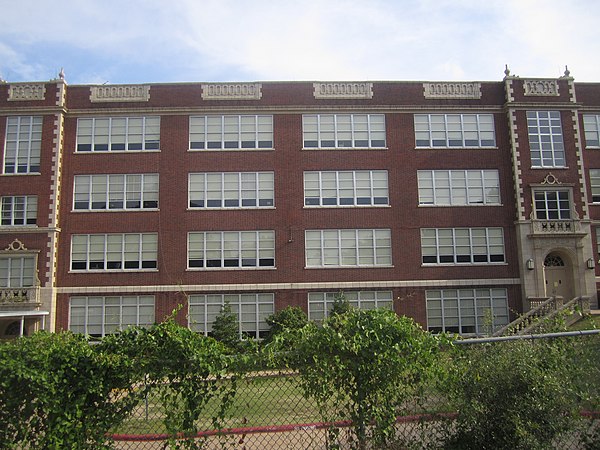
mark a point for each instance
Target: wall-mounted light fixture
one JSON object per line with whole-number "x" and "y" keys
{"x": 590, "y": 263}
{"x": 530, "y": 264}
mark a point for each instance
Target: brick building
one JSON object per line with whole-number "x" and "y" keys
{"x": 455, "y": 203}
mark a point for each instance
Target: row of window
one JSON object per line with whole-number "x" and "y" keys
{"x": 320, "y": 131}
{"x": 256, "y": 249}
{"x": 464, "y": 311}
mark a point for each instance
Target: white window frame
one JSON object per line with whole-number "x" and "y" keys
{"x": 343, "y": 131}
{"x": 553, "y": 204}
{"x": 222, "y": 250}
{"x": 102, "y": 315}
{"x": 591, "y": 127}
{"x": 18, "y": 271}
{"x": 22, "y": 145}
{"x": 231, "y": 132}
{"x": 348, "y": 248}
{"x": 115, "y": 192}
{"x": 460, "y": 246}
{"x": 18, "y": 210}
{"x": 454, "y": 131}
{"x": 320, "y": 303}
{"x": 115, "y": 252}
{"x": 466, "y": 311}
{"x": 595, "y": 185}
{"x": 546, "y": 143}
{"x": 471, "y": 187}
{"x": 118, "y": 134}
{"x": 251, "y": 310}
{"x": 225, "y": 190}
{"x": 346, "y": 188}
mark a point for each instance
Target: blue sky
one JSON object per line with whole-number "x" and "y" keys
{"x": 138, "y": 41}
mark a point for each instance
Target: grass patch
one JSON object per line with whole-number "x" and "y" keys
{"x": 588, "y": 322}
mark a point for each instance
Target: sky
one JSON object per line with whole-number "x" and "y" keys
{"x": 164, "y": 41}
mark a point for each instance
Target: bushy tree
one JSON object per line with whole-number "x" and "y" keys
{"x": 226, "y": 327}
{"x": 289, "y": 318}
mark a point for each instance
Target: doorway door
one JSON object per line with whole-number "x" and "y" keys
{"x": 558, "y": 277}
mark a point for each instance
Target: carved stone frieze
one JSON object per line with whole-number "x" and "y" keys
{"x": 343, "y": 90}
{"x": 452, "y": 90}
{"x": 541, "y": 88}
{"x": 26, "y": 91}
{"x": 120, "y": 93}
{"x": 15, "y": 246}
{"x": 232, "y": 91}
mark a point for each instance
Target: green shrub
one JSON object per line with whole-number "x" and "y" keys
{"x": 289, "y": 318}
{"x": 512, "y": 395}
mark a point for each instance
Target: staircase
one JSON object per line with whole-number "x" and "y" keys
{"x": 542, "y": 313}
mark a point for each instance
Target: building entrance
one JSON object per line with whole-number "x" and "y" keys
{"x": 558, "y": 277}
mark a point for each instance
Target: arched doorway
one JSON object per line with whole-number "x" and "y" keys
{"x": 558, "y": 276}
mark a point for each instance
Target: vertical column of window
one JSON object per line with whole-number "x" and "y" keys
{"x": 442, "y": 187}
{"x": 231, "y": 189}
{"x": 467, "y": 312}
{"x": 101, "y": 135}
{"x": 364, "y": 188}
{"x": 214, "y": 190}
{"x": 462, "y": 243}
{"x": 499, "y": 304}
{"x": 487, "y": 133}
{"x": 97, "y": 252}
{"x": 383, "y": 247}
{"x": 445, "y": 241}
{"x": 99, "y": 191}
{"x": 118, "y": 134}
{"x": 197, "y": 313}
{"x": 266, "y": 248}
{"x": 346, "y": 193}
{"x": 249, "y": 130}
{"x": 479, "y": 243}
{"x": 591, "y": 125}
{"x": 472, "y": 130}
{"x": 327, "y": 130}
{"x": 312, "y": 191}
{"x": 133, "y": 194}
{"x": 475, "y": 191}
{"x": 451, "y": 311}
{"x": 377, "y": 130}
{"x": 454, "y": 127}
{"x": 196, "y": 190}
{"x": 429, "y": 253}
{"x": 545, "y": 139}
{"x": 310, "y": 130}
{"x": 249, "y": 249}
{"x": 265, "y": 131}
{"x": 231, "y": 249}
{"x": 213, "y": 309}
{"x": 380, "y": 187}
{"x": 458, "y": 188}
{"x": 118, "y": 311}
{"x": 114, "y": 251}
{"x": 314, "y": 248}
{"x": 344, "y": 130}
{"x": 360, "y": 124}
{"x": 495, "y": 239}
{"x": 329, "y": 191}
{"x": 132, "y": 251}
{"x": 422, "y": 130}
{"x": 149, "y": 251}
{"x": 150, "y": 191}
{"x": 426, "y": 187}
{"x": 266, "y": 189}
{"x": 439, "y": 136}
{"x": 152, "y": 133}
{"x": 213, "y": 246}
{"x": 78, "y": 315}
{"x": 79, "y": 252}
{"x": 198, "y": 133}
{"x": 331, "y": 247}
{"x": 231, "y": 132}
{"x": 95, "y": 316}
{"x": 214, "y": 132}
{"x": 316, "y": 306}
{"x": 435, "y": 316}
{"x": 12, "y": 144}
{"x": 595, "y": 184}
{"x": 116, "y": 191}
{"x": 365, "y": 242}
{"x": 491, "y": 187}
{"x": 196, "y": 250}
{"x": 135, "y": 133}
{"x": 85, "y": 135}
{"x": 23, "y": 145}
{"x": 348, "y": 248}
{"x": 248, "y": 314}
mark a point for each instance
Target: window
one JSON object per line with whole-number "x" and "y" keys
{"x": 320, "y": 303}
{"x": 591, "y": 126}
{"x": 23, "y": 144}
{"x": 99, "y": 316}
{"x": 348, "y": 248}
{"x": 595, "y": 185}
{"x": 118, "y": 134}
{"x": 231, "y": 132}
{"x": 116, "y": 192}
{"x": 130, "y": 251}
{"x": 346, "y": 188}
{"x": 17, "y": 271}
{"x": 552, "y": 205}
{"x": 231, "y": 249}
{"x": 545, "y": 139}
{"x": 231, "y": 190}
{"x": 19, "y": 210}
{"x": 458, "y": 187}
{"x": 343, "y": 130}
{"x": 251, "y": 311}
{"x": 454, "y": 130}
{"x": 466, "y": 311}
{"x": 462, "y": 245}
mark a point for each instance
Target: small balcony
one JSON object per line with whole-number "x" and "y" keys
{"x": 24, "y": 298}
{"x": 554, "y": 227}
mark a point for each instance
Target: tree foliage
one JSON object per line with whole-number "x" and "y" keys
{"x": 289, "y": 318}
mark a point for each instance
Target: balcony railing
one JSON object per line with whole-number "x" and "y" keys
{"x": 20, "y": 298}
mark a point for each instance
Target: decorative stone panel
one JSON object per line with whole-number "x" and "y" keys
{"x": 232, "y": 91}
{"x": 541, "y": 88}
{"x": 343, "y": 90}
{"x": 26, "y": 91}
{"x": 452, "y": 90}
{"x": 120, "y": 93}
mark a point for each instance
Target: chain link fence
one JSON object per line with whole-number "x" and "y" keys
{"x": 270, "y": 411}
